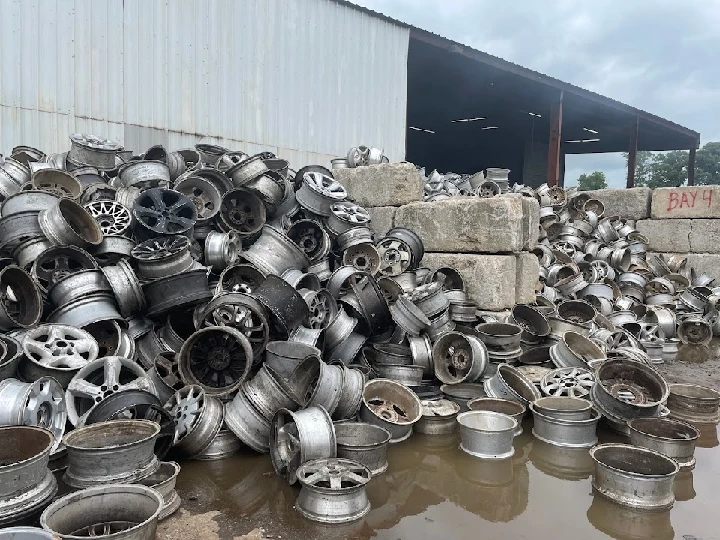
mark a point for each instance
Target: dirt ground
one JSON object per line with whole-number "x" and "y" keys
{"x": 695, "y": 365}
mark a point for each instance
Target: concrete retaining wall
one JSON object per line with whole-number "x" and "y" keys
{"x": 488, "y": 241}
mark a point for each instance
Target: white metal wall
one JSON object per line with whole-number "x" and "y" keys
{"x": 306, "y": 79}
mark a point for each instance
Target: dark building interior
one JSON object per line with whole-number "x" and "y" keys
{"x": 486, "y": 112}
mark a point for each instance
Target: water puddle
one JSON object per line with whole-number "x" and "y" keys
{"x": 432, "y": 490}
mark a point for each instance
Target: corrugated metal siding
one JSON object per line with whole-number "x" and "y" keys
{"x": 307, "y": 79}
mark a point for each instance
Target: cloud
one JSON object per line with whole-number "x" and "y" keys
{"x": 656, "y": 55}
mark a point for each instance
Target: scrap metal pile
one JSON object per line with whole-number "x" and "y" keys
{"x": 494, "y": 181}
{"x": 185, "y": 304}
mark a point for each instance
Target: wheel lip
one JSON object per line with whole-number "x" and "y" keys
{"x": 29, "y": 283}
{"x": 184, "y": 360}
{"x": 87, "y": 493}
{"x": 39, "y": 456}
{"x": 80, "y": 431}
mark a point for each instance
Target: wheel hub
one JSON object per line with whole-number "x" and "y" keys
{"x": 219, "y": 359}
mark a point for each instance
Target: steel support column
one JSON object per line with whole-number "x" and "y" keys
{"x": 632, "y": 153}
{"x": 691, "y": 167}
{"x": 553, "y": 166}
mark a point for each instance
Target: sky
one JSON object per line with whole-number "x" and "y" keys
{"x": 661, "y": 56}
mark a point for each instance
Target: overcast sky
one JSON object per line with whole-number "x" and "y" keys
{"x": 661, "y": 56}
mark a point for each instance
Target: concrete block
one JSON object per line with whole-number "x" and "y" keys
{"x": 705, "y": 236}
{"x": 501, "y": 315}
{"x": 388, "y": 184}
{"x": 382, "y": 218}
{"x": 527, "y": 272}
{"x": 686, "y": 202}
{"x": 468, "y": 224}
{"x": 708, "y": 263}
{"x": 666, "y": 235}
{"x": 490, "y": 280}
{"x": 631, "y": 203}
{"x": 531, "y": 223}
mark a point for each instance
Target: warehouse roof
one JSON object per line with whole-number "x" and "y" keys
{"x": 478, "y": 84}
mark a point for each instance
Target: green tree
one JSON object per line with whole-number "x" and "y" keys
{"x": 669, "y": 169}
{"x": 592, "y": 181}
{"x": 707, "y": 164}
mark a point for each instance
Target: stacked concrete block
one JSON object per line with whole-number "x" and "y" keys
{"x": 698, "y": 202}
{"x": 686, "y": 221}
{"x": 633, "y": 204}
{"x": 487, "y": 240}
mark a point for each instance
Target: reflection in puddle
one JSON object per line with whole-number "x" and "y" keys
{"x": 626, "y": 523}
{"x": 563, "y": 463}
{"x": 683, "y": 486}
{"x": 708, "y": 435}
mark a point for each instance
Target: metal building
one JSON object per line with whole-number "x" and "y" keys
{"x": 306, "y": 79}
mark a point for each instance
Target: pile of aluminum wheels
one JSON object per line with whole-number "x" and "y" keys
{"x": 488, "y": 183}
{"x": 184, "y": 304}
{"x": 360, "y": 156}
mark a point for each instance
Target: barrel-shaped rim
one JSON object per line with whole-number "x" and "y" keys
{"x": 371, "y": 391}
{"x": 383, "y": 435}
{"x": 510, "y": 424}
{"x": 463, "y": 390}
{"x": 648, "y": 427}
{"x": 150, "y": 428}
{"x": 691, "y": 391}
{"x": 490, "y": 404}
{"x": 125, "y": 489}
{"x": 598, "y": 454}
{"x": 36, "y": 432}
{"x": 594, "y": 418}
{"x": 562, "y": 404}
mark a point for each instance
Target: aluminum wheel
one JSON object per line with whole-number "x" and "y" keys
{"x": 318, "y": 192}
{"x": 204, "y": 194}
{"x": 345, "y": 216}
{"x": 40, "y": 403}
{"x": 323, "y": 308}
{"x": 571, "y": 381}
{"x": 241, "y": 312}
{"x": 162, "y": 257}
{"x": 137, "y": 405}
{"x": 20, "y": 301}
{"x": 198, "y": 419}
{"x": 395, "y": 256}
{"x": 364, "y": 257}
{"x": 333, "y": 490}
{"x": 240, "y": 278}
{"x": 113, "y": 217}
{"x": 101, "y": 379}
{"x": 311, "y": 238}
{"x": 59, "y": 351}
{"x": 242, "y": 211}
{"x": 298, "y": 437}
{"x": 57, "y": 182}
{"x": 218, "y": 359}
{"x": 164, "y": 211}
{"x": 59, "y": 262}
